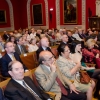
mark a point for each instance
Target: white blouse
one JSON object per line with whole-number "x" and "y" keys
{"x": 32, "y": 48}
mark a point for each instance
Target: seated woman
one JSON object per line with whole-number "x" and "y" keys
{"x": 70, "y": 69}
{"x": 91, "y": 54}
{"x": 76, "y": 52}
{"x": 32, "y": 46}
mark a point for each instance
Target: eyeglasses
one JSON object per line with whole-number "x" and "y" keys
{"x": 67, "y": 50}
{"x": 49, "y": 59}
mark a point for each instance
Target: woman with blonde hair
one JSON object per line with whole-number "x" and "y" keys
{"x": 89, "y": 52}
{"x": 32, "y": 46}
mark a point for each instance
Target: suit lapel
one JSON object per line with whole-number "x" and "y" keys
{"x": 8, "y": 58}
{"x": 45, "y": 69}
{"x": 47, "y": 72}
{"x": 21, "y": 88}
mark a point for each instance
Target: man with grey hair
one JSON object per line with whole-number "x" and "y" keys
{"x": 21, "y": 87}
{"x": 44, "y": 46}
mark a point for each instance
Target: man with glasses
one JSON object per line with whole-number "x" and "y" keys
{"x": 8, "y": 57}
{"x": 50, "y": 79}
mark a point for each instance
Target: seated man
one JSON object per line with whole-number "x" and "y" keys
{"x": 20, "y": 48}
{"x": 50, "y": 79}
{"x": 8, "y": 57}
{"x": 44, "y": 46}
{"x": 20, "y": 87}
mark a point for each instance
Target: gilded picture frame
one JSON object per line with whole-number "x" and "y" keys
{"x": 3, "y": 16}
{"x": 37, "y": 14}
{"x": 70, "y": 11}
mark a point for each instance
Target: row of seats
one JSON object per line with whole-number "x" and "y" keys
{"x": 30, "y": 59}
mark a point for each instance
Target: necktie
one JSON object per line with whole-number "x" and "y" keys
{"x": 32, "y": 92}
{"x": 22, "y": 51}
{"x": 1, "y": 46}
{"x": 13, "y": 58}
{"x": 63, "y": 90}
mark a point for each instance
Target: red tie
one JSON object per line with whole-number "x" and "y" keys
{"x": 63, "y": 90}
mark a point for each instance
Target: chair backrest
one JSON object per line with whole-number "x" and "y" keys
{"x": 29, "y": 60}
{"x": 3, "y": 84}
{"x": 34, "y": 80}
{"x": 54, "y": 51}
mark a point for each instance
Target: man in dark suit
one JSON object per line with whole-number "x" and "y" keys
{"x": 70, "y": 37}
{"x": 20, "y": 87}
{"x": 8, "y": 57}
{"x": 20, "y": 48}
{"x": 6, "y": 36}
{"x": 44, "y": 46}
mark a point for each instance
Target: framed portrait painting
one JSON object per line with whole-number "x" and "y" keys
{"x": 70, "y": 11}
{"x": 3, "y": 16}
{"x": 37, "y": 14}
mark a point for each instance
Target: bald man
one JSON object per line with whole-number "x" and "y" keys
{"x": 50, "y": 79}
{"x": 44, "y": 46}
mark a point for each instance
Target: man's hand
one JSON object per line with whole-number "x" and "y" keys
{"x": 53, "y": 67}
{"x": 73, "y": 88}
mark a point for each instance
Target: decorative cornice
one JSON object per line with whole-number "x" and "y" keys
{"x": 29, "y": 15}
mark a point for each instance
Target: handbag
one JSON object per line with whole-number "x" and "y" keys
{"x": 84, "y": 77}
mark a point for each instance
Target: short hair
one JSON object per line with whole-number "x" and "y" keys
{"x": 73, "y": 45}
{"x": 41, "y": 59}
{"x": 11, "y": 64}
{"x": 5, "y": 45}
{"x": 61, "y": 48}
{"x": 32, "y": 40}
{"x": 90, "y": 42}
{"x": 17, "y": 39}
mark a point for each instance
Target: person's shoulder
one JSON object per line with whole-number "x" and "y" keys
{"x": 5, "y": 56}
{"x": 9, "y": 85}
{"x": 38, "y": 69}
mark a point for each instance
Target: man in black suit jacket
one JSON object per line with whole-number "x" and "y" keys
{"x": 6, "y": 36}
{"x": 44, "y": 46}
{"x": 16, "y": 90}
{"x": 20, "y": 48}
{"x": 8, "y": 57}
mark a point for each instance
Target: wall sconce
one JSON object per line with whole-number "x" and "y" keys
{"x": 50, "y": 13}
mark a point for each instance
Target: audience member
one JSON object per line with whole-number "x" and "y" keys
{"x": 8, "y": 57}
{"x": 44, "y": 46}
{"x": 20, "y": 48}
{"x": 1, "y": 45}
{"x": 33, "y": 33}
{"x": 6, "y": 36}
{"x": 50, "y": 79}
{"x": 20, "y": 87}
{"x": 32, "y": 46}
{"x": 94, "y": 73}
{"x": 70, "y": 69}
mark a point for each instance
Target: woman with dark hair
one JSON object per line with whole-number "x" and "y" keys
{"x": 71, "y": 69}
{"x": 76, "y": 52}
{"x": 13, "y": 40}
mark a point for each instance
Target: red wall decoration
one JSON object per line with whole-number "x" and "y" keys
{"x": 20, "y": 12}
